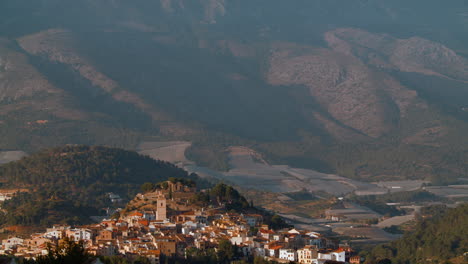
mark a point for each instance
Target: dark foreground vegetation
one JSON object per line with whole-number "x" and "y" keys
{"x": 440, "y": 237}
{"x": 70, "y": 252}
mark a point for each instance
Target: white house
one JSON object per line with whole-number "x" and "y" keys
{"x": 237, "y": 240}
{"x": 288, "y": 254}
{"x": 240, "y": 239}
{"x": 6, "y": 196}
{"x": 272, "y": 251}
{"x": 307, "y": 255}
{"x": 12, "y": 242}
{"x": 294, "y": 231}
{"x": 278, "y": 237}
{"x": 79, "y": 234}
{"x": 325, "y": 256}
{"x": 338, "y": 255}
{"x": 57, "y": 234}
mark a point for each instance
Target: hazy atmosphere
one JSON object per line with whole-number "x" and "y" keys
{"x": 331, "y": 115}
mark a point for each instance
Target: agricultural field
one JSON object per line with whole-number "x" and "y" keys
{"x": 9, "y": 156}
{"x": 171, "y": 151}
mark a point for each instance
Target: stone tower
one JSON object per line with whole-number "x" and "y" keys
{"x": 161, "y": 208}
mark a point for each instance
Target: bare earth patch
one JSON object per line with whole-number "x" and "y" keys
{"x": 9, "y": 156}
{"x": 171, "y": 151}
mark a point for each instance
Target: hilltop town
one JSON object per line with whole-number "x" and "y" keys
{"x": 173, "y": 220}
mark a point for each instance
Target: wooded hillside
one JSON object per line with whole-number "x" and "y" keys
{"x": 69, "y": 184}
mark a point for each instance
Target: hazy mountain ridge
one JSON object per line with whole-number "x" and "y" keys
{"x": 57, "y": 47}
{"x": 298, "y": 82}
{"x": 355, "y": 71}
{"x": 414, "y": 54}
{"x": 12, "y": 65}
{"x": 339, "y": 83}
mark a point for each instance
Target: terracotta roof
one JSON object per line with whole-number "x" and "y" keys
{"x": 136, "y": 214}
{"x": 263, "y": 231}
{"x": 253, "y": 215}
{"x": 188, "y": 213}
{"x": 276, "y": 247}
{"x": 272, "y": 244}
{"x": 154, "y": 252}
{"x": 143, "y": 222}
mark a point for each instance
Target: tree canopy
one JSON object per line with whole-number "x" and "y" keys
{"x": 435, "y": 240}
{"x": 69, "y": 184}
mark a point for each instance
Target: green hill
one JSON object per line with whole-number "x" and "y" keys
{"x": 69, "y": 184}
{"x": 443, "y": 238}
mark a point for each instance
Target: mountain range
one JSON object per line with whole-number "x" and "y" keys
{"x": 365, "y": 89}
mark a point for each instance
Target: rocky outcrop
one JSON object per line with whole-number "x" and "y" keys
{"x": 352, "y": 93}
{"x": 414, "y": 54}
{"x": 57, "y": 46}
{"x": 20, "y": 82}
{"x": 18, "y": 78}
{"x": 350, "y": 80}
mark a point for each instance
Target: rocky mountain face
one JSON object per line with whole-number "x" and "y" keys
{"x": 338, "y": 83}
{"x": 57, "y": 46}
{"x": 413, "y": 54}
{"x": 351, "y": 78}
{"x": 360, "y": 88}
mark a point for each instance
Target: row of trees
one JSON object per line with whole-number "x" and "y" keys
{"x": 378, "y": 203}
{"x": 75, "y": 165}
{"x": 190, "y": 181}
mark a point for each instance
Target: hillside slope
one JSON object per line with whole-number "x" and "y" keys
{"x": 437, "y": 240}
{"x": 70, "y": 184}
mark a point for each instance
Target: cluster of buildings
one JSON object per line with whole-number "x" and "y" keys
{"x": 8, "y": 194}
{"x": 169, "y": 226}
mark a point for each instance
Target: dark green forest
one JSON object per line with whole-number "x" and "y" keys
{"x": 69, "y": 184}
{"x": 436, "y": 239}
